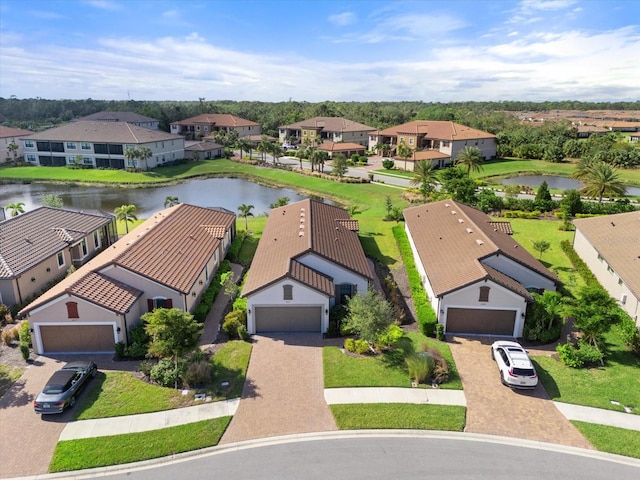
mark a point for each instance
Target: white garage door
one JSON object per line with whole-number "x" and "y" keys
{"x": 77, "y": 338}
{"x": 288, "y": 319}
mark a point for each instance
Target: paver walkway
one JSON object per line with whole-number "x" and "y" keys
{"x": 494, "y": 409}
{"x": 283, "y": 392}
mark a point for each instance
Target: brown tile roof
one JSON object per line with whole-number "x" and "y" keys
{"x": 617, "y": 239}
{"x": 34, "y": 236}
{"x": 217, "y": 119}
{"x": 175, "y": 239}
{"x": 105, "y": 291}
{"x": 507, "y": 282}
{"x": 452, "y": 239}
{"x": 330, "y": 124}
{"x": 504, "y": 227}
{"x": 128, "y": 117}
{"x": 107, "y": 132}
{"x": 437, "y": 130}
{"x": 203, "y": 147}
{"x": 298, "y": 229}
{"x": 340, "y": 146}
{"x": 311, "y": 277}
{"x": 9, "y": 132}
{"x": 350, "y": 223}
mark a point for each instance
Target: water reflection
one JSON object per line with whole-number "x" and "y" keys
{"x": 555, "y": 182}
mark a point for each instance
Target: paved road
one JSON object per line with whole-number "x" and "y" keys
{"x": 371, "y": 454}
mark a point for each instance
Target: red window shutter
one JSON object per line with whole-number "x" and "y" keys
{"x": 150, "y": 305}
{"x": 169, "y": 303}
{"x": 72, "y": 310}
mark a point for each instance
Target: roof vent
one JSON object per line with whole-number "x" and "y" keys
{"x": 460, "y": 220}
{"x": 453, "y": 212}
{"x": 479, "y": 242}
{"x": 469, "y": 230}
{"x": 447, "y": 205}
{"x": 301, "y": 233}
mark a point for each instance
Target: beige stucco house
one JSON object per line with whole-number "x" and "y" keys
{"x": 9, "y": 136}
{"x": 39, "y": 246}
{"x": 167, "y": 261}
{"x": 334, "y": 129}
{"x": 198, "y": 127}
{"x": 610, "y": 246}
{"x": 477, "y": 277}
{"x": 101, "y": 145}
{"x": 309, "y": 259}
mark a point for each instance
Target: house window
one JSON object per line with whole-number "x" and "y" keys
{"x": 29, "y": 144}
{"x": 87, "y": 161}
{"x": 60, "y": 259}
{"x": 96, "y": 240}
{"x": 609, "y": 269}
{"x": 312, "y": 133}
{"x": 83, "y": 245}
{"x": 304, "y": 133}
{"x": 31, "y": 158}
{"x": 287, "y": 292}
{"x": 600, "y": 257}
{"x": 71, "y": 146}
{"x": 86, "y": 146}
{"x": 72, "y": 310}
{"x": 484, "y": 294}
{"x": 620, "y": 282}
{"x": 344, "y": 291}
{"x": 159, "y": 302}
{"x": 411, "y": 141}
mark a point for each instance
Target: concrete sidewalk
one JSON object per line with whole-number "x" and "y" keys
{"x": 394, "y": 395}
{"x": 103, "y": 427}
{"x": 599, "y": 416}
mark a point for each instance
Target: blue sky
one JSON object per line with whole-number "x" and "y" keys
{"x": 316, "y": 50}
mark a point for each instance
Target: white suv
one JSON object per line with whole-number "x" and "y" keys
{"x": 516, "y": 370}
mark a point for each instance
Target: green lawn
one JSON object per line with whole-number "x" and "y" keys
{"x": 387, "y": 370}
{"x": 611, "y": 439}
{"x": 596, "y": 386}
{"x": 8, "y": 375}
{"x": 399, "y": 415}
{"x": 115, "y": 393}
{"x": 135, "y": 447}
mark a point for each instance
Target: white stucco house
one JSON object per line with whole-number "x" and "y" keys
{"x": 309, "y": 259}
{"x": 610, "y": 246}
{"x": 477, "y": 277}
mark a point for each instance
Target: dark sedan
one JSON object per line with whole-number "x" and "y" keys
{"x": 62, "y": 388}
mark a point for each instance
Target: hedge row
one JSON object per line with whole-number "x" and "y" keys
{"x": 427, "y": 318}
{"x": 210, "y": 294}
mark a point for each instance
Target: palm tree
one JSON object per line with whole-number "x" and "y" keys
{"x": 378, "y": 148}
{"x": 245, "y": 145}
{"x": 301, "y": 154}
{"x": 126, "y": 214}
{"x": 170, "y": 201}
{"x": 144, "y": 154}
{"x": 276, "y": 151}
{"x": 353, "y": 210}
{"x": 583, "y": 168}
{"x": 132, "y": 154}
{"x": 424, "y": 175}
{"x": 386, "y": 149}
{"x": 471, "y": 158}
{"x": 263, "y": 147}
{"x": 322, "y": 157}
{"x": 603, "y": 178}
{"x": 404, "y": 151}
{"x": 15, "y": 208}
{"x": 12, "y": 148}
{"x": 245, "y": 211}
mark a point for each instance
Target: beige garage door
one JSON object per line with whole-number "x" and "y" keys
{"x": 77, "y": 338}
{"x": 288, "y": 319}
{"x": 480, "y": 322}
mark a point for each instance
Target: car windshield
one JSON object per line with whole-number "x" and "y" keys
{"x": 524, "y": 372}
{"x": 54, "y": 389}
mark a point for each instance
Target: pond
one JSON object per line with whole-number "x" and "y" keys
{"x": 228, "y": 193}
{"x": 554, "y": 182}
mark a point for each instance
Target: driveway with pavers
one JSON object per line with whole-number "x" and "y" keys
{"x": 494, "y": 409}
{"x": 283, "y": 392}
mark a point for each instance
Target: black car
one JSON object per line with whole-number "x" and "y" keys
{"x": 63, "y": 386}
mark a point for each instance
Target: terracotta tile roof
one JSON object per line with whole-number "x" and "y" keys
{"x": 10, "y": 132}
{"x": 507, "y": 282}
{"x": 340, "y": 146}
{"x": 350, "y": 224}
{"x": 311, "y": 277}
{"x": 330, "y": 124}
{"x": 452, "y": 239}
{"x": 617, "y": 239}
{"x": 504, "y": 227}
{"x": 217, "y": 119}
{"x": 128, "y": 117}
{"x": 34, "y": 236}
{"x": 104, "y": 132}
{"x": 105, "y": 291}
{"x": 437, "y": 130}
{"x": 175, "y": 251}
{"x": 164, "y": 237}
{"x": 298, "y": 229}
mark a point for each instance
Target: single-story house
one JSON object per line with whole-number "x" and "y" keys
{"x": 203, "y": 150}
{"x": 39, "y": 246}
{"x": 346, "y": 148}
{"x": 309, "y": 259}
{"x": 477, "y": 277}
{"x": 438, "y": 159}
{"x": 610, "y": 246}
{"x": 167, "y": 261}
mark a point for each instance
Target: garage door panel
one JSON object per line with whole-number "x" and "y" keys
{"x": 77, "y": 338}
{"x": 288, "y": 319}
{"x": 480, "y": 321}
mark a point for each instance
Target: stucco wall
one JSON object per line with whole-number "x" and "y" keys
{"x": 338, "y": 273}
{"x": 487, "y": 147}
{"x": 522, "y": 274}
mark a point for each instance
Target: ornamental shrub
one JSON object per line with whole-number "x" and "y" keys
{"x": 569, "y": 355}
{"x": 388, "y": 164}
{"x": 420, "y": 366}
{"x": 439, "y": 331}
{"x": 199, "y": 373}
{"x": 24, "y": 350}
{"x": 361, "y": 346}
{"x": 390, "y": 337}
{"x": 164, "y": 373}
{"x": 629, "y": 334}
{"x": 350, "y": 345}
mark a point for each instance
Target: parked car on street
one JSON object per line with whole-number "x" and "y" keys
{"x": 64, "y": 385}
{"x": 516, "y": 369}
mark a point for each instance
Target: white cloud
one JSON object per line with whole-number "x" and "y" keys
{"x": 343, "y": 19}
{"x": 104, "y": 4}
